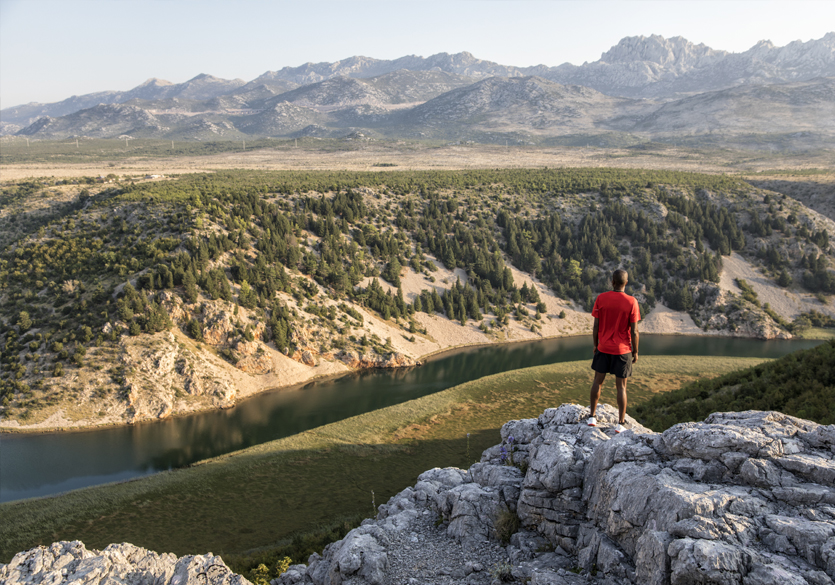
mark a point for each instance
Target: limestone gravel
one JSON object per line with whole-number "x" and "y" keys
{"x": 424, "y": 554}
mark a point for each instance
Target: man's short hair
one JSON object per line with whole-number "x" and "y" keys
{"x": 620, "y": 278}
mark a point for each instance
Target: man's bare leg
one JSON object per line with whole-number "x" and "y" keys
{"x": 594, "y": 395}
{"x": 620, "y": 383}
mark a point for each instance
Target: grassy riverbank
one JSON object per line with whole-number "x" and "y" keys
{"x": 800, "y": 384}
{"x": 818, "y": 333}
{"x": 262, "y": 496}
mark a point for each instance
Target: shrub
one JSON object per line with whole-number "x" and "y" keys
{"x": 24, "y": 321}
{"x": 282, "y": 565}
{"x": 748, "y": 293}
{"x": 507, "y": 524}
{"x": 297, "y": 550}
{"x": 260, "y": 575}
{"x": 502, "y": 572}
{"x": 784, "y": 279}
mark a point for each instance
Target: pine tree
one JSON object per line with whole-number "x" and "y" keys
{"x": 24, "y": 322}
{"x": 247, "y": 297}
{"x": 392, "y": 272}
{"x": 190, "y": 284}
{"x": 194, "y": 329}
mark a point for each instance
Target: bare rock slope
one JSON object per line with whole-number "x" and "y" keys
{"x": 71, "y": 562}
{"x": 741, "y": 498}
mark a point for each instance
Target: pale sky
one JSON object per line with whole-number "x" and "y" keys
{"x": 50, "y": 50}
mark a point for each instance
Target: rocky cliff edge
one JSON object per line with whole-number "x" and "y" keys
{"x": 743, "y": 497}
{"x": 118, "y": 564}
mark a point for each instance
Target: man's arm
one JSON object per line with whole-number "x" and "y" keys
{"x": 633, "y": 327}
{"x": 594, "y": 332}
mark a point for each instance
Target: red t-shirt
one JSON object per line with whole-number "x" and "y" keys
{"x": 615, "y": 311}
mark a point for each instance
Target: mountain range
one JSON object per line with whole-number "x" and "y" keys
{"x": 642, "y": 88}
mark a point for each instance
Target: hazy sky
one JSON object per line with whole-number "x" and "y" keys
{"x": 50, "y": 50}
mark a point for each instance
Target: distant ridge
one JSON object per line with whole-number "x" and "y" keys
{"x": 392, "y": 96}
{"x": 201, "y": 87}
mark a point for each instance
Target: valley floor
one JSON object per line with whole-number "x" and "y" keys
{"x": 400, "y": 157}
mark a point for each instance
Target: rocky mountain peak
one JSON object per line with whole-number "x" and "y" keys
{"x": 763, "y": 44}
{"x": 676, "y": 52}
{"x": 154, "y": 82}
{"x": 462, "y": 57}
{"x": 816, "y": 53}
{"x": 203, "y": 77}
{"x": 726, "y": 501}
{"x": 39, "y": 125}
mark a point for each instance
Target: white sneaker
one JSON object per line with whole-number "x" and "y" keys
{"x": 592, "y": 422}
{"x": 620, "y": 428}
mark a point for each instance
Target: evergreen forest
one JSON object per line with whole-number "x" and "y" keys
{"x": 98, "y": 262}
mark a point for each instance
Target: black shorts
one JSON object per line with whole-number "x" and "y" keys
{"x": 606, "y": 363}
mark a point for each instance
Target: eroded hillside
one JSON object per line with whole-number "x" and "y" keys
{"x": 139, "y": 299}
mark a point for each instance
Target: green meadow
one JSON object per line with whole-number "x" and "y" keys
{"x": 248, "y": 503}
{"x": 817, "y": 333}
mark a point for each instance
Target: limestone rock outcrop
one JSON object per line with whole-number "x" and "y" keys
{"x": 741, "y": 498}
{"x": 217, "y": 324}
{"x": 173, "y": 305}
{"x": 157, "y": 366}
{"x": 355, "y": 360}
{"x": 253, "y": 357}
{"x": 68, "y": 562}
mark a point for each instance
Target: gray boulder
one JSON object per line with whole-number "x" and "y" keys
{"x": 359, "y": 558}
{"x": 471, "y": 510}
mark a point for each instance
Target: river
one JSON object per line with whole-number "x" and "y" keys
{"x": 34, "y": 465}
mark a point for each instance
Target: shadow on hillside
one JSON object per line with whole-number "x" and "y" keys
{"x": 238, "y": 504}
{"x": 817, "y": 195}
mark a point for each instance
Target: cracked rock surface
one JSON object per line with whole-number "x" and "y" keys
{"x": 71, "y": 562}
{"x": 741, "y": 498}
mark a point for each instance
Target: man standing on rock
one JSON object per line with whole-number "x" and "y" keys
{"x": 615, "y": 334}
